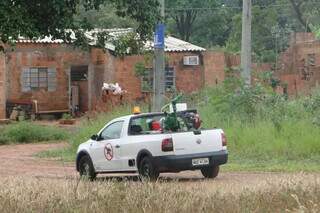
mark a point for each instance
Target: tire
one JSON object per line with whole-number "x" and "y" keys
{"x": 210, "y": 172}
{"x": 147, "y": 170}
{"x": 86, "y": 169}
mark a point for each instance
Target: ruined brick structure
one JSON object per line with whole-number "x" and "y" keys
{"x": 298, "y": 67}
{"x": 2, "y": 86}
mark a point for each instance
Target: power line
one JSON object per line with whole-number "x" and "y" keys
{"x": 232, "y": 7}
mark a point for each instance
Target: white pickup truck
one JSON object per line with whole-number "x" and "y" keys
{"x": 131, "y": 144}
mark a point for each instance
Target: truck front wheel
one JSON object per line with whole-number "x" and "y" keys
{"x": 86, "y": 168}
{"x": 147, "y": 170}
{"x": 210, "y": 172}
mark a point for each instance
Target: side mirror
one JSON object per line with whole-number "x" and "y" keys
{"x": 94, "y": 137}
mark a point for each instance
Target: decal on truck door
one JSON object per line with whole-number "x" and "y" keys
{"x": 108, "y": 151}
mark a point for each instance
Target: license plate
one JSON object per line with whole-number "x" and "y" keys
{"x": 200, "y": 161}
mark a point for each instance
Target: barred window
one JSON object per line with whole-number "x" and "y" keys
{"x": 170, "y": 79}
{"x": 170, "y": 82}
{"x": 36, "y": 78}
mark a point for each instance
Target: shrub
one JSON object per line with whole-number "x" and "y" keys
{"x": 66, "y": 116}
{"x": 26, "y": 132}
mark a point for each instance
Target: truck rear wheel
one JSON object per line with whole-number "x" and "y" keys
{"x": 147, "y": 171}
{"x": 210, "y": 172}
{"x": 86, "y": 169}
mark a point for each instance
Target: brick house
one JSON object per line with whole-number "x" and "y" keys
{"x": 45, "y": 72}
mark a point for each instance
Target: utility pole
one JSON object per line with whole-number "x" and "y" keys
{"x": 246, "y": 42}
{"x": 159, "y": 66}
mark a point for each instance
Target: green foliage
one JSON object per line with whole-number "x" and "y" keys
{"x": 183, "y": 18}
{"x": 140, "y": 69}
{"x": 219, "y": 23}
{"x": 127, "y": 44}
{"x": 66, "y": 116}
{"x": 104, "y": 17}
{"x": 25, "y": 132}
{"x": 265, "y": 130}
{"x": 263, "y": 40}
{"x": 26, "y": 18}
{"x": 212, "y": 28}
{"x": 312, "y": 105}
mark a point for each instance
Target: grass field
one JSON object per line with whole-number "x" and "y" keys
{"x": 266, "y": 132}
{"x": 45, "y": 195}
{"x": 27, "y": 132}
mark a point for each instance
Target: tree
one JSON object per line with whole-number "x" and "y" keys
{"x": 305, "y": 12}
{"x": 105, "y": 17}
{"x": 37, "y": 18}
{"x": 184, "y": 13}
{"x": 212, "y": 28}
{"x": 263, "y": 40}
{"x": 297, "y": 6}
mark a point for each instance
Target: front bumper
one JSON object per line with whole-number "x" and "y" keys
{"x": 177, "y": 163}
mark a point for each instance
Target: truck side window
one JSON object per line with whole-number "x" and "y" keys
{"x": 145, "y": 125}
{"x": 113, "y": 131}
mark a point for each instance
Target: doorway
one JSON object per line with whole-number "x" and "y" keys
{"x": 79, "y": 89}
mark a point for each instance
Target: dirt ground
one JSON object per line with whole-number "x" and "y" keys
{"x": 20, "y": 160}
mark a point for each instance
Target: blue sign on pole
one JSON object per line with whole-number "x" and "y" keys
{"x": 159, "y": 36}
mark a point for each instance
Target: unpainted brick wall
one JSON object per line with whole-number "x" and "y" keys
{"x": 294, "y": 67}
{"x": 124, "y": 74}
{"x": 214, "y": 67}
{"x": 104, "y": 67}
{"x": 43, "y": 55}
{"x": 187, "y": 78}
{"x": 2, "y": 87}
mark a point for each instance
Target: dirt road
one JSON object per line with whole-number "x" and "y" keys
{"x": 20, "y": 160}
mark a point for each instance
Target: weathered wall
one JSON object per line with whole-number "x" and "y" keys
{"x": 55, "y": 56}
{"x": 188, "y": 78}
{"x": 104, "y": 67}
{"x": 214, "y": 67}
{"x": 299, "y": 65}
{"x": 2, "y": 87}
{"x": 124, "y": 74}
{"x": 100, "y": 73}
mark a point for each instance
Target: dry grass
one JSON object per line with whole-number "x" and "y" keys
{"x": 43, "y": 195}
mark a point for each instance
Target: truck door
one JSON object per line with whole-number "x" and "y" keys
{"x": 105, "y": 151}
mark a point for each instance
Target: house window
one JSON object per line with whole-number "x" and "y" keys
{"x": 170, "y": 79}
{"x": 147, "y": 80}
{"x": 36, "y": 78}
